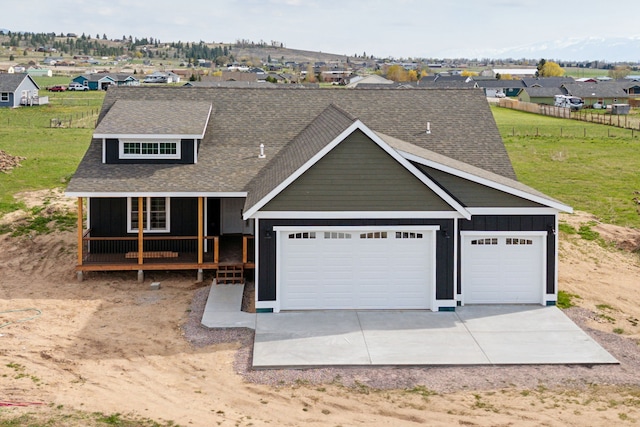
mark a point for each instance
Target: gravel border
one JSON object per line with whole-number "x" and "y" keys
{"x": 437, "y": 379}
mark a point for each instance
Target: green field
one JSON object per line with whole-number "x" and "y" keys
{"x": 590, "y": 167}
{"x": 51, "y": 153}
{"x": 596, "y": 174}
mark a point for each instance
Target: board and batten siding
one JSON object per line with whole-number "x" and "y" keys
{"x": 472, "y": 194}
{"x": 113, "y": 154}
{"x": 267, "y": 249}
{"x": 516, "y": 223}
{"x": 357, "y": 175}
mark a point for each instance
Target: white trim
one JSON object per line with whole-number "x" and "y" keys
{"x": 513, "y": 211}
{"x": 456, "y": 240}
{"x": 276, "y": 306}
{"x": 104, "y": 151}
{"x": 358, "y": 125}
{"x": 490, "y": 233}
{"x": 153, "y": 194}
{"x": 147, "y": 215}
{"x": 153, "y": 136}
{"x": 288, "y": 228}
{"x": 123, "y": 155}
{"x": 256, "y": 270}
{"x": 492, "y": 184}
{"x": 88, "y": 213}
{"x": 195, "y": 150}
{"x": 357, "y": 215}
{"x": 555, "y": 274}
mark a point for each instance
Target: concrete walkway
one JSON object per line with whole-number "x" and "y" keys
{"x": 472, "y": 335}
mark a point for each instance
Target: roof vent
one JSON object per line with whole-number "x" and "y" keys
{"x": 428, "y": 132}
{"x": 262, "y": 155}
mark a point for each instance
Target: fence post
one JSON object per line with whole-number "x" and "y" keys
{"x": 560, "y": 131}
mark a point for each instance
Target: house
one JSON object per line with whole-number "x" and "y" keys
{"x": 605, "y": 93}
{"x": 39, "y": 72}
{"x": 102, "y": 81}
{"x": 326, "y": 199}
{"x": 20, "y": 89}
{"x": 371, "y": 79}
{"x": 444, "y": 81}
{"x": 552, "y": 82}
{"x": 492, "y": 87}
{"x": 539, "y": 95}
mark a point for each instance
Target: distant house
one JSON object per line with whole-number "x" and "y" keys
{"x": 443, "y": 81}
{"x": 539, "y": 95}
{"x": 19, "y": 90}
{"x": 605, "y": 93}
{"x": 549, "y": 82}
{"x": 162, "y": 77}
{"x": 373, "y": 79}
{"x": 102, "y": 81}
{"x": 39, "y": 72}
{"x": 510, "y": 88}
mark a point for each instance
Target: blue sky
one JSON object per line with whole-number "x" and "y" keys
{"x": 392, "y": 28}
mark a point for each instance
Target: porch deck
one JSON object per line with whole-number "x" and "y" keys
{"x": 119, "y": 254}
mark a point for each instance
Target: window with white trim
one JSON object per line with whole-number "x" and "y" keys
{"x": 149, "y": 149}
{"x": 4, "y": 97}
{"x": 155, "y": 214}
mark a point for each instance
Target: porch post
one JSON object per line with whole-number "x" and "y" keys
{"x": 80, "y": 231}
{"x": 140, "y": 238}
{"x": 200, "y": 230}
{"x": 200, "y": 277}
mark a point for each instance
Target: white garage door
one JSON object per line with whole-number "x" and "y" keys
{"x": 356, "y": 269}
{"x": 503, "y": 268}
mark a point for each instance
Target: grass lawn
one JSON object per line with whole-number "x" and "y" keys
{"x": 51, "y": 154}
{"x": 597, "y": 173}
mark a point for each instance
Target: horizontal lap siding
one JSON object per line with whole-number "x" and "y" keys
{"x": 267, "y": 250}
{"x": 516, "y": 223}
{"x": 357, "y": 175}
{"x": 472, "y": 194}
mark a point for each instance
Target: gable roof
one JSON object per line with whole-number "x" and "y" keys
{"x": 10, "y": 82}
{"x": 461, "y": 123}
{"x": 322, "y": 135}
{"x": 596, "y": 90}
{"x": 546, "y": 81}
{"x": 542, "y": 92}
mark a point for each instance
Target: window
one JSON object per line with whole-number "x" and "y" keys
{"x": 155, "y": 214}
{"x": 310, "y": 235}
{"x": 336, "y": 235}
{"x": 134, "y": 149}
{"x": 512, "y": 241}
{"x": 488, "y": 241}
{"x": 4, "y": 97}
{"x": 376, "y": 235}
{"x": 407, "y": 235}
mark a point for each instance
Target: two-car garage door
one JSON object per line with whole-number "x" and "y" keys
{"x": 502, "y": 267}
{"x": 356, "y": 268}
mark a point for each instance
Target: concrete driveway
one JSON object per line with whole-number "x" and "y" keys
{"x": 472, "y": 335}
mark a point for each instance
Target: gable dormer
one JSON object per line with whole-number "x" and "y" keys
{"x": 161, "y": 132}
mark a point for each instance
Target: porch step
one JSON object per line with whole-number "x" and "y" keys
{"x": 229, "y": 273}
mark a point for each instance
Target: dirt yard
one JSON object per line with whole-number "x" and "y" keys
{"x": 114, "y": 347}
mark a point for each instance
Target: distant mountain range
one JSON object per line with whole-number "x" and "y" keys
{"x": 612, "y": 49}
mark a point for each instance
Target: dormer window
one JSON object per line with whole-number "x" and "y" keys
{"x": 149, "y": 149}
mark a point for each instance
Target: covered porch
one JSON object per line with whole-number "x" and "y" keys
{"x": 229, "y": 254}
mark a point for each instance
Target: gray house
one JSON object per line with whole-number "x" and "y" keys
{"x": 605, "y": 93}
{"x": 20, "y": 90}
{"x": 327, "y": 199}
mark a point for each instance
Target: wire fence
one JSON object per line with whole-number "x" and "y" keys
{"x": 569, "y": 132}
{"x": 79, "y": 119}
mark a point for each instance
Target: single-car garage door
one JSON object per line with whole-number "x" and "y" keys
{"x": 503, "y": 268}
{"x": 356, "y": 268}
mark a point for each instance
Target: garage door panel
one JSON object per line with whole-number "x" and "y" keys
{"x": 368, "y": 270}
{"x": 502, "y": 269}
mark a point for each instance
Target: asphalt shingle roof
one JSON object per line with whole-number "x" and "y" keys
{"x": 462, "y": 128}
{"x": 10, "y": 82}
{"x": 596, "y": 90}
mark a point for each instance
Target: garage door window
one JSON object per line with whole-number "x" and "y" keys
{"x": 511, "y": 241}
{"x": 376, "y": 235}
{"x": 406, "y": 235}
{"x": 336, "y": 235}
{"x": 309, "y": 235}
{"x": 488, "y": 241}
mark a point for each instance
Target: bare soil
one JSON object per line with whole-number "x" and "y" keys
{"x": 113, "y": 346}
